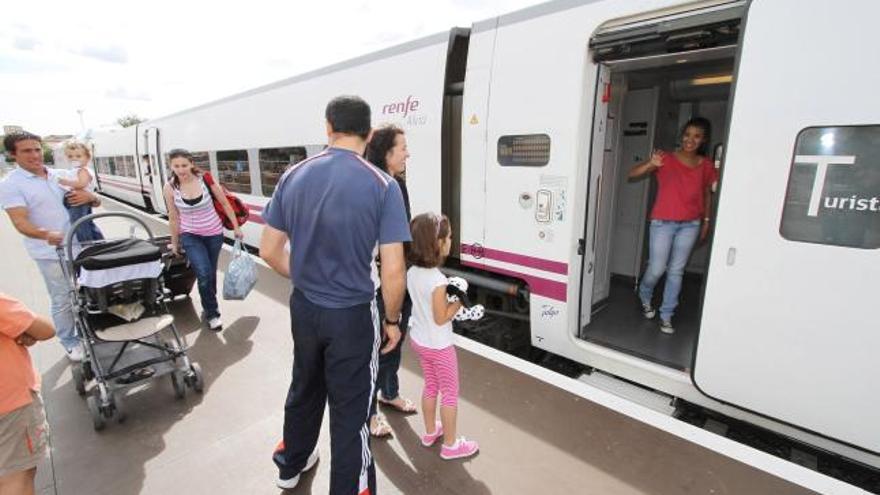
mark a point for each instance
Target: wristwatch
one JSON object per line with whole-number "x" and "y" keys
{"x": 396, "y": 323}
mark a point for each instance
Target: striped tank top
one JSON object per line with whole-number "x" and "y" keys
{"x": 200, "y": 218}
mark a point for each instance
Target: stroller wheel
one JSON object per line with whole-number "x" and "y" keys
{"x": 195, "y": 378}
{"x": 177, "y": 381}
{"x": 98, "y": 422}
{"x": 79, "y": 381}
{"x": 87, "y": 372}
{"x": 119, "y": 411}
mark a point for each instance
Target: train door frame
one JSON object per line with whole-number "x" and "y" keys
{"x": 154, "y": 150}
{"x": 588, "y": 244}
{"x": 144, "y": 171}
{"x": 657, "y": 42}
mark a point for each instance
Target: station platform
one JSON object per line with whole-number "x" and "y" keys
{"x": 535, "y": 437}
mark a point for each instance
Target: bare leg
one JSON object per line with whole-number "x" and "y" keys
{"x": 429, "y": 413}
{"x": 448, "y": 415}
{"x": 20, "y": 483}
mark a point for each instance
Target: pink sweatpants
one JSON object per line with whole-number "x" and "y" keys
{"x": 440, "y": 369}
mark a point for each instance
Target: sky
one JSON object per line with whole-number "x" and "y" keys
{"x": 107, "y": 59}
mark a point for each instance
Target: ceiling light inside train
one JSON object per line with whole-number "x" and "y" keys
{"x": 710, "y": 80}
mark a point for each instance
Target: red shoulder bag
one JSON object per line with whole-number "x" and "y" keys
{"x": 238, "y": 207}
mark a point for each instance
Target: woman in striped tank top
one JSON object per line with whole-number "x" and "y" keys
{"x": 196, "y": 226}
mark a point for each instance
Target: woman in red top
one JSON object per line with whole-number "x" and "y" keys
{"x": 680, "y": 214}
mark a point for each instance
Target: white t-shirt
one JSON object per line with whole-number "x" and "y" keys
{"x": 72, "y": 174}
{"x": 421, "y": 282}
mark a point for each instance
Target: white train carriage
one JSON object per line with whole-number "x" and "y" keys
{"x": 522, "y": 130}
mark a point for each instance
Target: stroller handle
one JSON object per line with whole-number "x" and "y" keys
{"x": 68, "y": 238}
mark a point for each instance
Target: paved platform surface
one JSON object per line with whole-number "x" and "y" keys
{"x": 535, "y": 438}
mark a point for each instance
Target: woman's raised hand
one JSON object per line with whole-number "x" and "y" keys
{"x": 657, "y": 158}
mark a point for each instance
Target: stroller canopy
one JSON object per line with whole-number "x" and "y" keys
{"x": 113, "y": 254}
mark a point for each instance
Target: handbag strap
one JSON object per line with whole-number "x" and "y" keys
{"x": 209, "y": 181}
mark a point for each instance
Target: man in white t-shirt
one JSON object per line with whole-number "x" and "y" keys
{"x": 34, "y": 203}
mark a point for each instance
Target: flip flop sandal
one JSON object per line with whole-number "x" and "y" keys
{"x": 382, "y": 428}
{"x": 408, "y": 406}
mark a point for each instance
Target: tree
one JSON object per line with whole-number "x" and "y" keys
{"x": 129, "y": 120}
{"x": 48, "y": 156}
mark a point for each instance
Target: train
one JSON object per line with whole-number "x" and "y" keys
{"x": 521, "y": 129}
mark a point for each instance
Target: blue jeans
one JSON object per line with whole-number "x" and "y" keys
{"x": 59, "y": 296}
{"x": 88, "y": 231}
{"x": 389, "y": 364}
{"x": 203, "y": 252}
{"x": 670, "y": 247}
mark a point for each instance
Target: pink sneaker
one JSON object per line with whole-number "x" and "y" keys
{"x": 461, "y": 448}
{"x": 428, "y": 439}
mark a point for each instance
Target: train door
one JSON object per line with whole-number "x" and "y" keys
{"x": 156, "y": 167}
{"x": 789, "y": 324}
{"x": 663, "y": 72}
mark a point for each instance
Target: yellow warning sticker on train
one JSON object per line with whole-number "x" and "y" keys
{"x": 474, "y": 119}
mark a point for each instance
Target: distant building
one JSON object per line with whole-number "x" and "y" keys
{"x": 52, "y": 140}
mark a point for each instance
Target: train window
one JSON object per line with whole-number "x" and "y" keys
{"x": 528, "y": 150}
{"x": 111, "y": 165}
{"x": 201, "y": 160}
{"x": 124, "y": 166}
{"x": 273, "y": 163}
{"x": 101, "y": 165}
{"x": 129, "y": 164}
{"x": 232, "y": 165}
{"x": 832, "y": 188}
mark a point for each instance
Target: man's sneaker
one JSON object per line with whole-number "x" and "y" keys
{"x": 666, "y": 327}
{"x": 215, "y": 324}
{"x": 75, "y": 354}
{"x": 461, "y": 448}
{"x": 648, "y": 311}
{"x": 287, "y": 484}
{"x": 428, "y": 439}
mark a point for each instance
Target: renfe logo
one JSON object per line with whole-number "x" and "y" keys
{"x": 410, "y": 105}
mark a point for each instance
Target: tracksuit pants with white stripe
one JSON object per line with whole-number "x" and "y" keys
{"x": 335, "y": 358}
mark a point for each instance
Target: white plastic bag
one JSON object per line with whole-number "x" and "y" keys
{"x": 241, "y": 276}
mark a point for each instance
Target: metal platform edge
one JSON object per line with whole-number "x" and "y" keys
{"x": 763, "y": 461}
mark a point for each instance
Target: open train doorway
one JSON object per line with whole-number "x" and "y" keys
{"x": 645, "y": 102}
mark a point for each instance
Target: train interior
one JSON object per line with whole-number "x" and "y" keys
{"x": 650, "y": 99}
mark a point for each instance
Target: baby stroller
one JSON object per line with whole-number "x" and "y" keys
{"x": 120, "y": 306}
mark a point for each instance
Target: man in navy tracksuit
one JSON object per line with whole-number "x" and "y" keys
{"x": 336, "y": 209}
